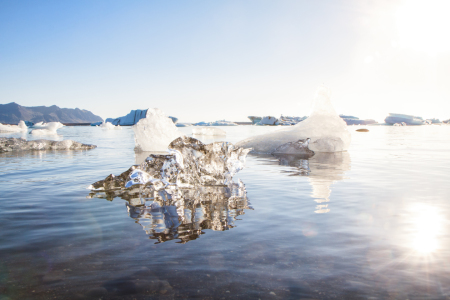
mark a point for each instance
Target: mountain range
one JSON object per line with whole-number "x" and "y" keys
{"x": 12, "y": 113}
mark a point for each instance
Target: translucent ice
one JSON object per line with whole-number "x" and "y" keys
{"x": 189, "y": 163}
{"x": 327, "y": 131}
{"x": 109, "y": 126}
{"x": 208, "y": 131}
{"x": 21, "y": 127}
{"x": 13, "y": 144}
{"x": 155, "y": 131}
{"x": 47, "y": 128}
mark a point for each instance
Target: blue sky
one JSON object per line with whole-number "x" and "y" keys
{"x": 211, "y": 60}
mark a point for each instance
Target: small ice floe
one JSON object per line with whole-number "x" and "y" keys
{"x": 47, "y": 128}
{"x": 210, "y": 131}
{"x": 110, "y": 126}
{"x": 188, "y": 163}
{"x": 21, "y": 127}
{"x": 14, "y": 144}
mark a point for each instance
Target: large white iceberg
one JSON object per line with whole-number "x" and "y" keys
{"x": 155, "y": 131}
{"x": 21, "y": 127}
{"x": 327, "y": 131}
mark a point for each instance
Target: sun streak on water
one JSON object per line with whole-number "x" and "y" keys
{"x": 427, "y": 227}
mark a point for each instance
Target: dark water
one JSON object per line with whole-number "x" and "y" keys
{"x": 370, "y": 223}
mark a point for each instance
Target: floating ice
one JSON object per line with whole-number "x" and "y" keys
{"x": 21, "y": 127}
{"x": 14, "y": 144}
{"x": 267, "y": 120}
{"x": 216, "y": 123}
{"x": 47, "y": 128}
{"x": 133, "y": 118}
{"x": 155, "y": 131}
{"x": 189, "y": 163}
{"x": 189, "y": 188}
{"x": 208, "y": 131}
{"x": 109, "y": 126}
{"x": 327, "y": 131}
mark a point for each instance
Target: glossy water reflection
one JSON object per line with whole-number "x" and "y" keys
{"x": 322, "y": 171}
{"x": 386, "y": 234}
{"x": 183, "y": 214}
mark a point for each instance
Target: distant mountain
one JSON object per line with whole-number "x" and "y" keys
{"x": 12, "y": 113}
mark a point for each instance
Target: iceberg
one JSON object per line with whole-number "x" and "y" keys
{"x": 267, "y": 120}
{"x": 401, "y": 118}
{"x": 209, "y": 131}
{"x": 178, "y": 194}
{"x": 183, "y": 124}
{"x": 109, "y": 126}
{"x": 351, "y": 120}
{"x": 155, "y": 131}
{"x": 130, "y": 119}
{"x": 188, "y": 163}
{"x": 20, "y": 144}
{"x": 21, "y": 127}
{"x": 47, "y": 128}
{"x": 133, "y": 118}
{"x": 326, "y": 130}
{"x": 216, "y": 123}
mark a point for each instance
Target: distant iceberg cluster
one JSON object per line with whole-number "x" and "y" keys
{"x": 273, "y": 121}
{"x": 208, "y": 131}
{"x": 216, "y": 123}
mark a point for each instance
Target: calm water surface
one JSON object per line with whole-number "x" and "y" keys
{"x": 372, "y": 222}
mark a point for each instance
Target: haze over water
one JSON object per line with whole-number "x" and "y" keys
{"x": 370, "y": 222}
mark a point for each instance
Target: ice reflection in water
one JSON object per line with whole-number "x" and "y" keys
{"x": 166, "y": 217}
{"x": 183, "y": 213}
{"x": 322, "y": 169}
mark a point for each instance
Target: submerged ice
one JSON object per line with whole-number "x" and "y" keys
{"x": 20, "y": 144}
{"x": 155, "y": 131}
{"x": 327, "y": 131}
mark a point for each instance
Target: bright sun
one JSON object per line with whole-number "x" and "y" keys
{"x": 424, "y": 25}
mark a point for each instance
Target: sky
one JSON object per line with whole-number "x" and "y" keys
{"x": 203, "y": 60}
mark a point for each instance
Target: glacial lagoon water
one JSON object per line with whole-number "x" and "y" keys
{"x": 370, "y": 223}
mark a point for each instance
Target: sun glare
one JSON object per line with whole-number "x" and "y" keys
{"x": 427, "y": 225}
{"x": 424, "y": 25}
